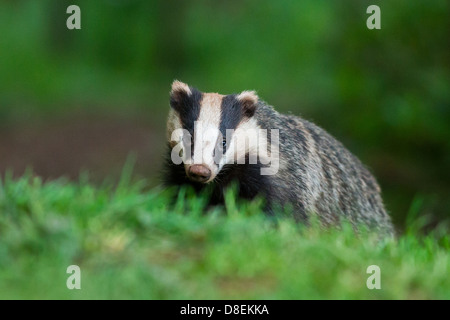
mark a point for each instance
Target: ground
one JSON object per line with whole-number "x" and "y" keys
{"x": 65, "y": 145}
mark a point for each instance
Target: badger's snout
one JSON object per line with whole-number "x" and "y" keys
{"x": 199, "y": 173}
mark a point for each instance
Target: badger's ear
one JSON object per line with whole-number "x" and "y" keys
{"x": 179, "y": 94}
{"x": 248, "y": 100}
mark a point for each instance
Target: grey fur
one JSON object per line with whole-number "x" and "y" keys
{"x": 318, "y": 175}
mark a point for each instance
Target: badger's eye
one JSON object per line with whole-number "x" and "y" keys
{"x": 224, "y": 143}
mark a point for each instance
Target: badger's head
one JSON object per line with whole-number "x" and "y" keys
{"x": 203, "y": 130}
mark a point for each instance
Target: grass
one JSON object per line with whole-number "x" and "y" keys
{"x": 130, "y": 244}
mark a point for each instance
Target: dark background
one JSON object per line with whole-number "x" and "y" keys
{"x": 73, "y": 101}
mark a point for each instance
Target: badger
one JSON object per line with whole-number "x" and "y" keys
{"x": 216, "y": 141}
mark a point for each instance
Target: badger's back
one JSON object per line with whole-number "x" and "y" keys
{"x": 318, "y": 175}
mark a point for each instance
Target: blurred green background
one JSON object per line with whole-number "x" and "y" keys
{"x": 83, "y": 100}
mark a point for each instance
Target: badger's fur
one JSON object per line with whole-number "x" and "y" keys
{"x": 316, "y": 175}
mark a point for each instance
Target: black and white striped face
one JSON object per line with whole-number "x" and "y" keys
{"x": 203, "y": 129}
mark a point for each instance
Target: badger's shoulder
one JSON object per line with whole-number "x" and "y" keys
{"x": 305, "y": 144}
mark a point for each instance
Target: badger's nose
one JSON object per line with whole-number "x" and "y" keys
{"x": 199, "y": 173}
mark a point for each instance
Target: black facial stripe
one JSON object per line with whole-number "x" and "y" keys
{"x": 189, "y": 109}
{"x": 231, "y": 114}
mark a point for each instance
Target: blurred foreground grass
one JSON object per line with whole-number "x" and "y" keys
{"x": 129, "y": 243}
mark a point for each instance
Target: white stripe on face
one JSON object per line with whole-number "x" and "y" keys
{"x": 206, "y": 132}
